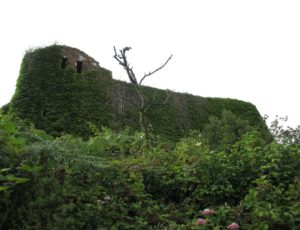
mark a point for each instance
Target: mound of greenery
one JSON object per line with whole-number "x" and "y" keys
{"x": 60, "y": 100}
{"x": 114, "y": 180}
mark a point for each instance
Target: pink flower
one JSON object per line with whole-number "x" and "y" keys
{"x": 233, "y": 226}
{"x": 201, "y": 221}
{"x": 208, "y": 212}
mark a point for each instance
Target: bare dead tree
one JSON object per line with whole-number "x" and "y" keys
{"x": 143, "y": 107}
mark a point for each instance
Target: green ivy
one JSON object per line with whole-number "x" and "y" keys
{"x": 61, "y": 101}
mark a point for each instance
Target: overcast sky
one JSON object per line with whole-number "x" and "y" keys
{"x": 248, "y": 50}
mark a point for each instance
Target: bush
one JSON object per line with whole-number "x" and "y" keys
{"x": 115, "y": 181}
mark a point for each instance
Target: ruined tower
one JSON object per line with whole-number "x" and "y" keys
{"x": 61, "y": 89}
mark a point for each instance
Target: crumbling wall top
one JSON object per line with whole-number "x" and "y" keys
{"x": 77, "y": 57}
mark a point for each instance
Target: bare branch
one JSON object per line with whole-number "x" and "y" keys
{"x": 143, "y": 102}
{"x": 159, "y": 68}
{"x": 169, "y": 93}
{"x": 122, "y": 60}
{"x": 127, "y": 99}
{"x": 159, "y": 103}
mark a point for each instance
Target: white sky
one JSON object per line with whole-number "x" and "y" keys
{"x": 248, "y": 50}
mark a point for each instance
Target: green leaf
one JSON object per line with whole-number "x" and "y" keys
{"x": 9, "y": 127}
{"x": 17, "y": 180}
{"x": 2, "y": 178}
{"x": 5, "y": 169}
{"x": 18, "y": 141}
{"x": 3, "y": 188}
{"x": 28, "y": 168}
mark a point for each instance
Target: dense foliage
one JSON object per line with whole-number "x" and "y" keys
{"x": 113, "y": 180}
{"x": 211, "y": 163}
{"x": 60, "y": 100}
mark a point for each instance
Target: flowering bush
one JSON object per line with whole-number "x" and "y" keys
{"x": 218, "y": 219}
{"x": 233, "y": 226}
{"x": 208, "y": 212}
{"x": 113, "y": 181}
{"x": 201, "y": 221}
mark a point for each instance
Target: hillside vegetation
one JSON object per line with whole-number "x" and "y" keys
{"x": 72, "y": 157}
{"x": 114, "y": 180}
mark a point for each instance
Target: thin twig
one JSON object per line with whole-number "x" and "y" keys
{"x": 154, "y": 103}
{"x": 159, "y": 68}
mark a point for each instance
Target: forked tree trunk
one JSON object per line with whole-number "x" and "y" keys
{"x": 122, "y": 60}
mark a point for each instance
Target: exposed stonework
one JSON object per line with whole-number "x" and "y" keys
{"x": 74, "y": 55}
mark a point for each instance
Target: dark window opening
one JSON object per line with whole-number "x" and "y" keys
{"x": 64, "y": 62}
{"x": 79, "y": 66}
